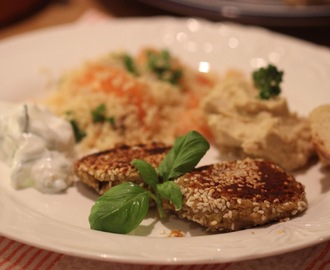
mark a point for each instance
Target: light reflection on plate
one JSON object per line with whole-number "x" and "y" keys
{"x": 31, "y": 63}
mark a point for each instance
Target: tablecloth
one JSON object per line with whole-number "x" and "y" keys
{"x": 18, "y": 256}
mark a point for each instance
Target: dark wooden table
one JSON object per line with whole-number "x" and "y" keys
{"x": 54, "y": 12}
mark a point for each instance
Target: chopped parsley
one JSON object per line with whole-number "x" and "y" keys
{"x": 267, "y": 80}
{"x": 130, "y": 64}
{"x": 161, "y": 64}
{"x": 111, "y": 121}
{"x": 99, "y": 115}
{"x": 78, "y": 133}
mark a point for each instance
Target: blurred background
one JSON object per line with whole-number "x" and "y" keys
{"x": 304, "y": 19}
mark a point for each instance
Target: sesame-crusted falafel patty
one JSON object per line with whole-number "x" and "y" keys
{"x": 108, "y": 168}
{"x": 234, "y": 195}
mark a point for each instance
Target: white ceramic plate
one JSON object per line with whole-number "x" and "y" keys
{"x": 31, "y": 63}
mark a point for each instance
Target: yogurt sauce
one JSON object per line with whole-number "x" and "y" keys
{"x": 38, "y": 147}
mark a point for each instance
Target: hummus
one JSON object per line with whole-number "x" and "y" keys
{"x": 244, "y": 125}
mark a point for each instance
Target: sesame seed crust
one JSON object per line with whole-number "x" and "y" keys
{"x": 233, "y": 195}
{"x": 105, "y": 169}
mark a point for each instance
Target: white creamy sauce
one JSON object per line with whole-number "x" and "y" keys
{"x": 38, "y": 147}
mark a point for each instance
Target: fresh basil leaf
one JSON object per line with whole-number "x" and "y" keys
{"x": 171, "y": 191}
{"x": 120, "y": 209}
{"x": 148, "y": 173}
{"x": 185, "y": 154}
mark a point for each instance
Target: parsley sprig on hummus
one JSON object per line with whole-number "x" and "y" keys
{"x": 268, "y": 80}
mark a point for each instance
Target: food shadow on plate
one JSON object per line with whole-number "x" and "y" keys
{"x": 325, "y": 179}
{"x": 86, "y": 191}
{"x": 303, "y": 170}
{"x": 323, "y": 170}
{"x": 170, "y": 226}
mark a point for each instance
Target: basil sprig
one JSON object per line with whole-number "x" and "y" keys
{"x": 122, "y": 208}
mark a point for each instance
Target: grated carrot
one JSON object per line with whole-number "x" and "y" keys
{"x": 119, "y": 83}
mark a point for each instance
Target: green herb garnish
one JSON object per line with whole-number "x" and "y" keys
{"x": 129, "y": 64}
{"x": 78, "y": 133}
{"x": 267, "y": 80}
{"x": 111, "y": 121}
{"x": 122, "y": 208}
{"x": 99, "y": 115}
{"x": 161, "y": 64}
